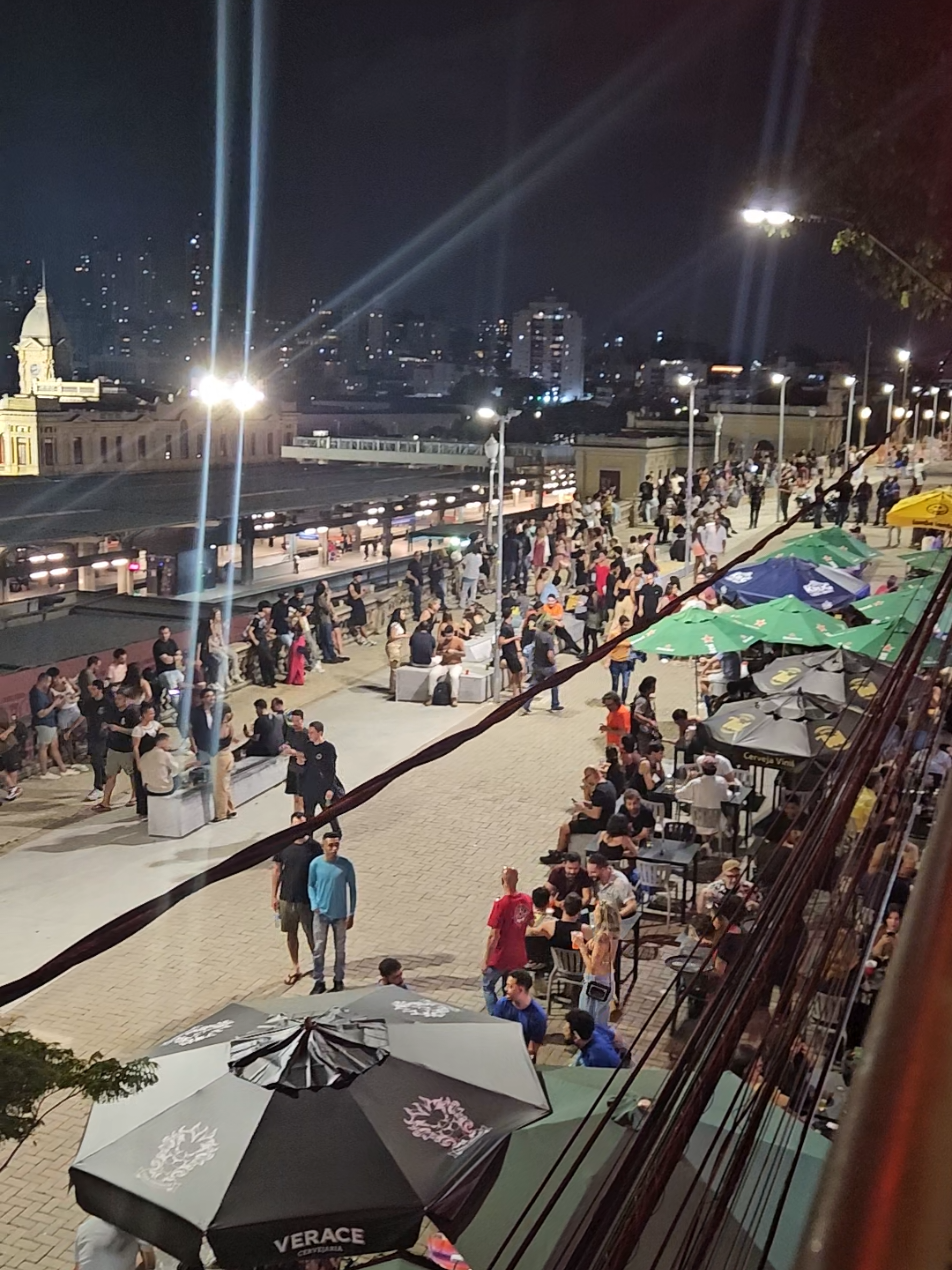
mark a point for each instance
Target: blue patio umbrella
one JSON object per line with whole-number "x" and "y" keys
{"x": 816, "y": 585}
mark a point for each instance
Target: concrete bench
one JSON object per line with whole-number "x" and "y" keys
{"x": 475, "y": 683}
{"x": 179, "y": 814}
{"x": 412, "y": 682}
{"x": 479, "y": 649}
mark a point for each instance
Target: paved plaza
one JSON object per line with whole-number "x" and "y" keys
{"x": 428, "y": 852}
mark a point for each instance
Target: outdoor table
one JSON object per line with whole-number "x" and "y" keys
{"x": 686, "y": 966}
{"x": 682, "y": 856}
{"x": 631, "y": 936}
{"x": 732, "y": 807}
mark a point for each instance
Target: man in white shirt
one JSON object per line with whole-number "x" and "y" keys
{"x": 713, "y": 538}
{"x": 158, "y": 767}
{"x": 472, "y": 566}
{"x": 705, "y": 793}
{"x": 609, "y": 885}
{"x": 722, "y": 765}
{"x": 100, "y": 1246}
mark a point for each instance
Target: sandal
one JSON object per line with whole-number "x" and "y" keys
{"x": 291, "y": 978}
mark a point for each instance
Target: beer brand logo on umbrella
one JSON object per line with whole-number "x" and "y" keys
{"x": 831, "y": 737}
{"x": 741, "y": 576}
{"x": 444, "y": 1122}
{"x": 200, "y": 1032}
{"x": 736, "y": 723}
{"x": 863, "y": 689}
{"x": 814, "y": 587}
{"x": 184, "y": 1149}
{"x": 425, "y": 1009}
{"x": 785, "y": 676}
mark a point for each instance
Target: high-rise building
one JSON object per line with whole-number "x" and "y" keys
{"x": 547, "y": 345}
{"x": 198, "y": 265}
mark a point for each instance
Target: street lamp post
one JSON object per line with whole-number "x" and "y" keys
{"x": 780, "y": 381}
{"x": 780, "y": 219}
{"x": 864, "y": 414}
{"x": 689, "y": 382}
{"x": 491, "y": 449}
{"x": 934, "y": 393}
{"x": 487, "y": 413}
{"x": 718, "y": 425}
{"x": 851, "y": 381}
{"x": 889, "y": 390}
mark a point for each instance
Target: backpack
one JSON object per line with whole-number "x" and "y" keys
{"x": 441, "y": 692}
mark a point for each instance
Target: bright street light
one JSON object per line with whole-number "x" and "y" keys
{"x": 888, "y": 388}
{"x": 212, "y": 391}
{"x": 774, "y": 217}
{"x": 487, "y": 413}
{"x": 902, "y": 356}
{"x": 245, "y": 396}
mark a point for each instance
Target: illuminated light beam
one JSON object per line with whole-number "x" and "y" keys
{"x": 545, "y": 156}
{"x": 223, "y": 54}
{"x": 246, "y": 400}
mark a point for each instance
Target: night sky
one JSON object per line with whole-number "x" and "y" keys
{"x": 383, "y": 116}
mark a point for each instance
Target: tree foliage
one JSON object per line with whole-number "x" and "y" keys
{"x": 32, "y": 1072}
{"x": 876, "y": 145}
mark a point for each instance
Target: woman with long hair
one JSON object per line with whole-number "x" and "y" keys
{"x": 223, "y": 761}
{"x": 216, "y": 649}
{"x": 396, "y": 639}
{"x": 598, "y": 958}
{"x": 296, "y": 660}
{"x": 509, "y": 653}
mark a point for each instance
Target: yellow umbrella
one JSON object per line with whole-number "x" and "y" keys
{"x": 930, "y": 508}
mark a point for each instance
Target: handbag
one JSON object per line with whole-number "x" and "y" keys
{"x": 596, "y": 991}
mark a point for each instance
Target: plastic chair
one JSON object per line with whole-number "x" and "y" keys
{"x": 679, "y": 830}
{"x": 567, "y": 969}
{"x": 657, "y": 879}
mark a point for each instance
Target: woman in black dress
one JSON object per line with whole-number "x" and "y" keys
{"x": 357, "y": 621}
{"x": 509, "y": 653}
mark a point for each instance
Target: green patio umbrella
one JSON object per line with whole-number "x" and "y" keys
{"x": 927, "y": 561}
{"x": 787, "y": 621}
{"x": 776, "y": 1156}
{"x": 908, "y": 602}
{"x": 810, "y": 548}
{"x": 834, "y": 536}
{"x": 693, "y": 632}
{"x": 529, "y": 1156}
{"x": 886, "y": 640}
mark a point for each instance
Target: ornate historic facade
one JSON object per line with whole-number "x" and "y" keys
{"x": 55, "y": 426}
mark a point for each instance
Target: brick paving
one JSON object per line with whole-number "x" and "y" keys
{"x": 428, "y": 852}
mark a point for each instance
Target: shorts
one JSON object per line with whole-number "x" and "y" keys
{"x": 292, "y": 784}
{"x": 11, "y": 760}
{"x": 118, "y": 761}
{"x": 292, "y": 915}
{"x": 46, "y": 735}
{"x": 66, "y": 716}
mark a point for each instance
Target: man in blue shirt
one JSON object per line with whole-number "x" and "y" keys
{"x": 332, "y": 891}
{"x": 519, "y": 1006}
{"x": 595, "y": 1042}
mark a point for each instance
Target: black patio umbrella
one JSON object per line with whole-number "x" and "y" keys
{"x": 838, "y": 675}
{"x": 782, "y": 732}
{"x": 331, "y": 1127}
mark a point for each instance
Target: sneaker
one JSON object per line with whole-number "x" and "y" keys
{"x": 77, "y": 767}
{"x": 338, "y": 985}
{"x": 50, "y": 776}
{"x": 15, "y": 792}
{"x": 318, "y": 668}
{"x": 319, "y": 987}
{"x": 553, "y": 857}
{"x": 94, "y": 796}
{"x": 371, "y": 642}
{"x": 555, "y": 709}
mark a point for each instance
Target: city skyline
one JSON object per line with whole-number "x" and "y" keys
{"x": 631, "y": 217}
